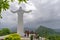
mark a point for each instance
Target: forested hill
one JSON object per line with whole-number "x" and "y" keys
{"x": 44, "y": 31}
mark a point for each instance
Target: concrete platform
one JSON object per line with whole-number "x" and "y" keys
{"x": 23, "y": 38}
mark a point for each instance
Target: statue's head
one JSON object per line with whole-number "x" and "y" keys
{"x": 20, "y": 8}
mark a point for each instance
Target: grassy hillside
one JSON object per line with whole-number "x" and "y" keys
{"x": 44, "y": 31}
{"x": 48, "y": 33}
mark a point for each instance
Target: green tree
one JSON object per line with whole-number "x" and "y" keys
{"x": 31, "y": 37}
{"x": 4, "y": 4}
{"x": 13, "y": 37}
{"x": 54, "y": 37}
{"x": 5, "y": 31}
{"x": 1, "y": 33}
{"x": 44, "y": 31}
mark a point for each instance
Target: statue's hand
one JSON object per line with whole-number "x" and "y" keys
{"x": 28, "y": 11}
{"x": 13, "y": 11}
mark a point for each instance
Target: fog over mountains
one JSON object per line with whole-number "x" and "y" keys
{"x": 47, "y": 13}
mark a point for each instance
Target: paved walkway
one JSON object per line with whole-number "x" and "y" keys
{"x": 23, "y": 38}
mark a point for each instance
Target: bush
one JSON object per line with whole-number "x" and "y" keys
{"x": 54, "y": 37}
{"x": 1, "y": 33}
{"x": 4, "y": 31}
{"x": 13, "y": 37}
{"x": 31, "y": 37}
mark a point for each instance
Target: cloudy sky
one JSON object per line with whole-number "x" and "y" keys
{"x": 44, "y": 12}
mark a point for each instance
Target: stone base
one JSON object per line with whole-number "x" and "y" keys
{"x": 21, "y": 34}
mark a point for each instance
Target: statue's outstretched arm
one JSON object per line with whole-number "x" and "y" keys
{"x": 13, "y": 11}
{"x": 27, "y": 11}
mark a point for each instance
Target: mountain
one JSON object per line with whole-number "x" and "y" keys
{"x": 57, "y": 30}
{"x": 44, "y": 31}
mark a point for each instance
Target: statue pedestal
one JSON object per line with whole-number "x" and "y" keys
{"x": 20, "y": 30}
{"x": 21, "y": 34}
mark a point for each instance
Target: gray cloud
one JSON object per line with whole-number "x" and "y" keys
{"x": 47, "y": 14}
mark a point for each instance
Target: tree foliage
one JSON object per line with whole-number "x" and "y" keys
{"x": 54, "y": 37}
{"x": 4, "y": 31}
{"x": 4, "y": 4}
{"x": 48, "y": 33}
{"x": 13, "y": 37}
{"x": 44, "y": 31}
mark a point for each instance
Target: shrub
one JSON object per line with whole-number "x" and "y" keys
{"x": 57, "y": 37}
{"x": 1, "y": 33}
{"x": 4, "y": 31}
{"x": 31, "y": 37}
{"x": 13, "y": 37}
{"x": 54, "y": 37}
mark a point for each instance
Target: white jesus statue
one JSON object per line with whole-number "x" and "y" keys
{"x": 20, "y": 12}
